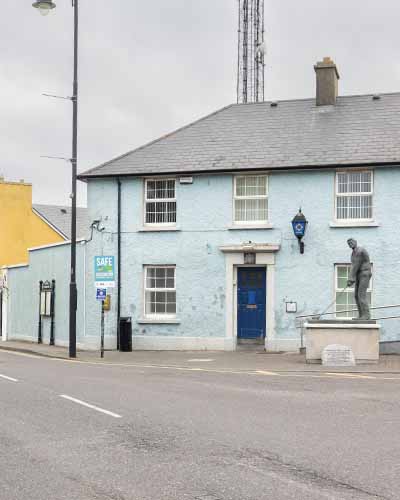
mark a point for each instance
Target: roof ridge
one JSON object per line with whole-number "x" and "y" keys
{"x": 301, "y": 99}
{"x": 165, "y": 136}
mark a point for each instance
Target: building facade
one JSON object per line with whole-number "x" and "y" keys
{"x": 189, "y": 283}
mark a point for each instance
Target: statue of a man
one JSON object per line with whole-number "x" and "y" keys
{"x": 360, "y": 276}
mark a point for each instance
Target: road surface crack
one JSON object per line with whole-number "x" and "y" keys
{"x": 257, "y": 460}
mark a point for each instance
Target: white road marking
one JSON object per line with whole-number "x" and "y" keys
{"x": 270, "y": 374}
{"x": 8, "y": 378}
{"x": 101, "y": 410}
{"x": 349, "y": 375}
{"x": 200, "y": 360}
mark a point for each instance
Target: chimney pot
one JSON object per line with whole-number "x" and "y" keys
{"x": 327, "y": 82}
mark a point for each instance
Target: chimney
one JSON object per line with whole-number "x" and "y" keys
{"x": 327, "y": 82}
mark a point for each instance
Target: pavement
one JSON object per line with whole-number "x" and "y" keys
{"x": 243, "y": 360}
{"x": 124, "y": 431}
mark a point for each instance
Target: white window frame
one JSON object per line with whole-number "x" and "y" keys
{"x": 337, "y": 194}
{"x": 145, "y": 290}
{"x": 158, "y": 200}
{"x": 350, "y": 290}
{"x": 257, "y": 197}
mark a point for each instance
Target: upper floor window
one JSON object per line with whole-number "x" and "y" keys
{"x": 346, "y": 306}
{"x": 160, "y": 201}
{"x": 354, "y": 193}
{"x": 251, "y": 199}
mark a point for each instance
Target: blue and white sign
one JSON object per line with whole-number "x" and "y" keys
{"x": 299, "y": 228}
{"x": 101, "y": 293}
{"x": 104, "y": 271}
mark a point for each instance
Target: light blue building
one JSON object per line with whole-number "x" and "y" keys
{"x": 199, "y": 222}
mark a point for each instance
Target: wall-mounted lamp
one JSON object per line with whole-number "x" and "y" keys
{"x": 299, "y": 224}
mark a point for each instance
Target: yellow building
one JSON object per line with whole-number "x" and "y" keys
{"x": 20, "y": 227}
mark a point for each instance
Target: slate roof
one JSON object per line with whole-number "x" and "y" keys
{"x": 358, "y": 130}
{"x": 60, "y": 218}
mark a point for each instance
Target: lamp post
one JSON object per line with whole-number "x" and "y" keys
{"x": 44, "y": 7}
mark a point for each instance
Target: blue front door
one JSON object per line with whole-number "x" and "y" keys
{"x": 251, "y": 318}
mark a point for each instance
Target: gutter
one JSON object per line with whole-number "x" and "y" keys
{"x": 334, "y": 166}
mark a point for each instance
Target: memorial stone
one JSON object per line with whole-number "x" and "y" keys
{"x": 338, "y": 355}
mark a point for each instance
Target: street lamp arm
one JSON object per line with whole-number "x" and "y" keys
{"x": 68, "y": 98}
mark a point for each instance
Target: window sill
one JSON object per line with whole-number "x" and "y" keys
{"x": 354, "y": 224}
{"x": 158, "y": 229}
{"x": 237, "y": 227}
{"x": 159, "y": 321}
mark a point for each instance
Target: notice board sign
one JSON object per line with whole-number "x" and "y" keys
{"x": 104, "y": 271}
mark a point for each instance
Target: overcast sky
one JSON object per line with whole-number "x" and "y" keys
{"x": 149, "y": 67}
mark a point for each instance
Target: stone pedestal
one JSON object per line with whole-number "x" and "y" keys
{"x": 361, "y": 336}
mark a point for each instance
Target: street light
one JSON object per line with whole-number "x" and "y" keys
{"x": 44, "y": 7}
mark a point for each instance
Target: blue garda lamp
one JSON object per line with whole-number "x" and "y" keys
{"x": 299, "y": 224}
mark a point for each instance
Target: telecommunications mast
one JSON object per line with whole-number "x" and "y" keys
{"x": 251, "y": 51}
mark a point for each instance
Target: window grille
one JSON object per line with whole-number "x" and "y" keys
{"x": 251, "y": 199}
{"x": 160, "y": 202}
{"x": 354, "y": 195}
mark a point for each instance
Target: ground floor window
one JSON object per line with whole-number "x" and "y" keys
{"x": 345, "y": 299}
{"x": 160, "y": 291}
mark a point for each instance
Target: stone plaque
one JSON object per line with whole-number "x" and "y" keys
{"x": 249, "y": 258}
{"x": 338, "y": 355}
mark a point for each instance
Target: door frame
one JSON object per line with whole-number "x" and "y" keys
{"x": 234, "y": 258}
{"x": 235, "y": 281}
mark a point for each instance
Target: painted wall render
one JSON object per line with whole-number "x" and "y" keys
{"x": 22, "y": 291}
{"x": 204, "y": 223}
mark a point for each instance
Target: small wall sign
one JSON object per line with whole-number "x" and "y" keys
{"x": 249, "y": 258}
{"x": 186, "y": 180}
{"x": 291, "y": 307}
{"x": 101, "y": 294}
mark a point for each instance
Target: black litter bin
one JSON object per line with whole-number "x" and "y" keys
{"x": 125, "y": 334}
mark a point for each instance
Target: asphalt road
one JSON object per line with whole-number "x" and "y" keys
{"x": 160, "y": 434}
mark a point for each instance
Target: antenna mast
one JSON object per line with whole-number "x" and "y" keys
{"x": 251, "y": 51}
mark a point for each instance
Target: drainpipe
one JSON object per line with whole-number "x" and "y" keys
{"x": 119, "y": 264}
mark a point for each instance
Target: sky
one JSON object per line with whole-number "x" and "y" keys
{"x": 149, "y": 67}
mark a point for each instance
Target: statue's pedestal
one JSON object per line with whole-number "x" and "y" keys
{"x": 359, "y": 335}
